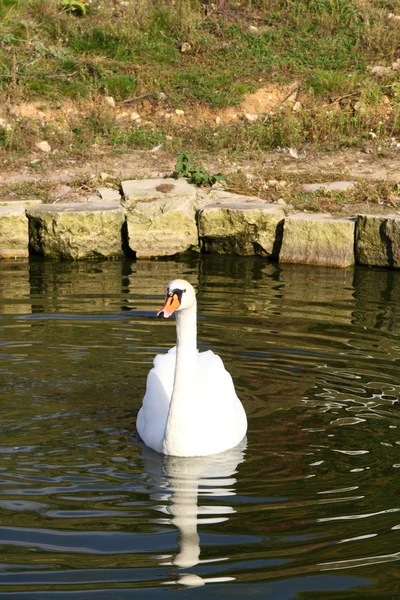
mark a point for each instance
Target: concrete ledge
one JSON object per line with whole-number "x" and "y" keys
{"x": 74, "y": 231}
{"x": 242, "y": 229}
{"x": 318, "y": 239}
{"x": 13, "y": 232}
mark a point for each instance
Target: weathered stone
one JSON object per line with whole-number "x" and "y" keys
{"x": 378, "y": 240}
{"x": 334, "y": 186}
{"x": 147, "y": 190}
{"x": 222, "y": 197}
{"x": 15, "y": 201}
{"x": 75, "y": 231}
{"x": 318, "y": 239}
{"x": 241, "y": 228}
{"x": 160, "y": 216}
{"x": 393, "y": 237}
{"x": 109, "y": 194}
{"x": 13, "y": 232}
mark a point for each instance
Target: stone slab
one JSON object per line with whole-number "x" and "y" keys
{"x": 13, "y": 232}
{"x": 334, "y": 186}
{"x": 109, "y": 194}
{"x": 318, "y": 239}
{"x": 378, "y": 240}
{"x": 240, "y": 228}
{"x": 75, "y": 231}
{"x": 15, "y": 201}
{"x": 221, "y": 196}
{"x": 147, "y": 190}
{"x": 161, "y": 216}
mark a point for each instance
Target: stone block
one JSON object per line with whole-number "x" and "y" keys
{"x": 333, "y": 186}
{"x": 378, "y": 240}
{"x": 221, "y": 196}
{"x": 244, "y": 229}
{"x": 74, "y": 231}
{"x": 318, "y": 239}
{"x": 161, "y": 216}
{"x": 109, "y": 194}
{"x": 13, "y": 232}
{"x": 147, "y": 190}
{"x": 15, "y": 201}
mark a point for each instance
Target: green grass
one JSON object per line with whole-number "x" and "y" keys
{"x": 124, "y": 50}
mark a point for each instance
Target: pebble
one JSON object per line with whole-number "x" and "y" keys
{"x": 43, "y": 146}
{"x": 110, "y": 101}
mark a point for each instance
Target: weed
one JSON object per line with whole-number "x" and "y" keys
{"x": 77, "y": 7}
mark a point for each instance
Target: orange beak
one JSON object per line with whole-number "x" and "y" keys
{"x": 172, "y": 302}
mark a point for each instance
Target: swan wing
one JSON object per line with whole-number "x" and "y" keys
{"x": 153, "y": 414}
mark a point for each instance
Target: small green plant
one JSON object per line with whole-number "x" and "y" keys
{"x": 76, "y": 7}
{"x": 196, "y": 174}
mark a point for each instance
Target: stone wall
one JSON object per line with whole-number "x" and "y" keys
{"x": 164, "y": 217}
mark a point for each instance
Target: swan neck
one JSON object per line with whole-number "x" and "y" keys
{"x": 186, "y": 334}
{"x": 182, "y": 393}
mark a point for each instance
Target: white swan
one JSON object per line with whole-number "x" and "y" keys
{"x": 190, "y": 407}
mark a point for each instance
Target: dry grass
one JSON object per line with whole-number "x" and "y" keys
{"x": 185, "y": 54}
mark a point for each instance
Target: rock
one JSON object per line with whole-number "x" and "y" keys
{"x": 244, "y": 229}
{"x": 160, "y": 216}
{"x": 62, "y": 191}
{"x": 13, "y": 232}
{"x": 378, "y": 240}
{"x": 179, "y": 112}
{"x": 379, "y": 70}
{"x": 318, "y": 239}
{"x": 110, "y": 101}
{"x": 74, "y": 231}
{"x": 185, "y": 47}
{"x": 334, "y": 186}
{"x": 250, "y": 117}
{"x": 135, "y": 116}
{"x": 297, "y": 107}
{"x": 5, "y": 125}
{"x": 43, "y": 146}
{"x": 109, "y": 194}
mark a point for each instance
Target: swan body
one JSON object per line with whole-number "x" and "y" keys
{"x": 190, "y": 407}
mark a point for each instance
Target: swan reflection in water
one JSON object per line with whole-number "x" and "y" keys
{"x": 184, "y": 480}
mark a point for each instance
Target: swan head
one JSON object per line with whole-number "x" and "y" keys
{"x": 180, "y": 296}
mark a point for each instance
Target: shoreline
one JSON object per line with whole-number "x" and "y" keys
{"x": 164, "y": 217}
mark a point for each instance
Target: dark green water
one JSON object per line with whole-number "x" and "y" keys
{"x": 309, "y": 510}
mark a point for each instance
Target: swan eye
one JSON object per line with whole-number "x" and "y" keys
{"x": 177, "y": 293}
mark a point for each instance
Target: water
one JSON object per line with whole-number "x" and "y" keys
{"x": 309, "y": 509}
